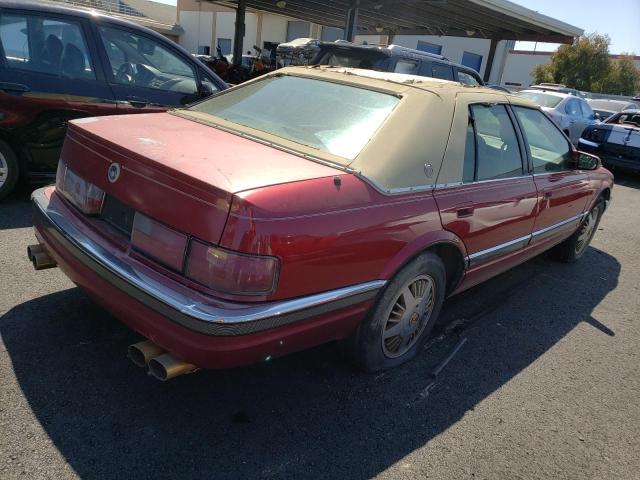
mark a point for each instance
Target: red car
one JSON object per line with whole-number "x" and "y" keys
{"x": 310, "y": 205}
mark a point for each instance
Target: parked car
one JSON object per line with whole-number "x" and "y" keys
{"x": 299, "y": 51}
{"x": 394, "y": 58}
{"x": 58, "y": 63}
{"x": 246, "y": 227}
{"x": 499, "y": 87}
{"x": 560, "y": 88}
{"x": 571, "y": 113}
{"x": 605, "y": 107}
{"x": 616, "y": 140}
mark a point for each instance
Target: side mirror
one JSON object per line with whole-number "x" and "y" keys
{"x": 585, "y": 161}
{"x": 206, "y": 89}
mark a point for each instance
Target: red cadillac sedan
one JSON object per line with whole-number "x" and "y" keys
{"x": 310, "y": 205}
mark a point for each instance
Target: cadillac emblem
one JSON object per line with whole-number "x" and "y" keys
{"x": 114, "y": 172}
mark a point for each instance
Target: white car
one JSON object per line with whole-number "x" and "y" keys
{"x": 571, "y": 113}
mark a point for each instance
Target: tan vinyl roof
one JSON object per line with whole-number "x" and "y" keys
{"x": 406, "y": 153}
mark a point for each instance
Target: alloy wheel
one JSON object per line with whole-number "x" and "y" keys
{"x": 4, "y": 170}
{"x": 408, "y": 315}
{"x": 586, "y": 231}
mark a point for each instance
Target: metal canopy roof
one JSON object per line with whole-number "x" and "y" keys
{"x": 491, "y": 19}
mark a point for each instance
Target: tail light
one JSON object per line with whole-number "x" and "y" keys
{"x": 84, "y": 195}
{"x": 158, "y": 241}
{"x": 231, "y": 272}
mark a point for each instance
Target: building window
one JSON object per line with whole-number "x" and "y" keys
{"x": 298, "y": 29}
{"x": 224, "y": 44}
{"x": 472, "y": 60}
{"x": 429, "y": 47}
{"x": 204, "y": 50}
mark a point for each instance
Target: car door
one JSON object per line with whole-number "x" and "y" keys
{"x": 146, "y": 74}
{"x": 48, "y": 76}
{"x": 563, "y": 191}
{"x": 493, "y": 209}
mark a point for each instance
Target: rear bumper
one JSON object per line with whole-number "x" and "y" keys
{"x": 206, "y": 331}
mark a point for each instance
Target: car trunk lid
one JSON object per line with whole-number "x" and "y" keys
{"x": 177, "y": 171}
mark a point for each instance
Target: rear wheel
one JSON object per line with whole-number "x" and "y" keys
{"x": 9, "y": 170}
{"x": 403, "y": 317}
{"x": 574, "y": 247}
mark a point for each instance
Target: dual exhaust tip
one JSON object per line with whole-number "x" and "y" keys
{"x": 39, "y": 257}
{"x": 161, "y": 364}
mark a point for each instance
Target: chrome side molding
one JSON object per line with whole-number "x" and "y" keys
{"x": 513, "y": 245}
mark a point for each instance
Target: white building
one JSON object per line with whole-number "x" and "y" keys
{"x": 520, "y": 63}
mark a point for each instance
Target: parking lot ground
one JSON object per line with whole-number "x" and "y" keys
{"x": 546, "y": 384}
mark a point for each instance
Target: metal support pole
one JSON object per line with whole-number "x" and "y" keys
{"x": 351, "y": 24}
{"x": 238, "y": 36}
{"x": 490, "y": 59}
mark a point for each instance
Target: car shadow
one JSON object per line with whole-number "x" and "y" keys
{"x": 627, "y": 179}
{"x": 309, "y": 415}
{"x": 15, "y": 210}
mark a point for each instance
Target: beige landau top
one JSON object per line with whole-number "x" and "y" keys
{"x": 420, "y": 144}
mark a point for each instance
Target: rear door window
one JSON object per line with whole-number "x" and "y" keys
{"x": 46, "y": 45}
{"x": 587, "y": 112}
{"x": 442, "y": 70}
{"x": 497, "y": 152}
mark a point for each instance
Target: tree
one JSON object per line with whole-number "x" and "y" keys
{"x": 542, "y": 73}
{"x": 623, "y": 78}
{"x": 586, "y": 65}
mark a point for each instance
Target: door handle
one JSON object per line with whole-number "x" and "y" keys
{"x": 13, "y": 87}
{"x": 464, "y": 212}
{"x": 137, "y": 102}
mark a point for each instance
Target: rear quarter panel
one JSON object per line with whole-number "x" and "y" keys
{"x": 330, "y": 234}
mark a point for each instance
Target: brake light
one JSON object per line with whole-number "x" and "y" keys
{"x": 84, "y": 195}
{"x": 158, "y": 241}
{"x": 231, "y": 272}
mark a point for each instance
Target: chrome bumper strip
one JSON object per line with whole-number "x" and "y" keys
{"x": 182, "y": 305}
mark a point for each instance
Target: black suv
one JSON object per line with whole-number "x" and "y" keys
{"x": 59, "y": 63}
{"x": 394, "y": 58}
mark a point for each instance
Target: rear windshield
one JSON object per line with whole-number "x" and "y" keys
{"x": 331, "y": 117}
{"x": 542, "y": 99}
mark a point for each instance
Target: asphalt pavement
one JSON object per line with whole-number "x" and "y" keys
{"x": 545, "y": 384}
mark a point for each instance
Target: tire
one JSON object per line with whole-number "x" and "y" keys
{"x": 573, "y": 248}
{"x": 9, "y": 170}
{"x": 419, "y": 289}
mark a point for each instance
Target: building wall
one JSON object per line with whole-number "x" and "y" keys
{"x": 225, "y": 27}
{"x": 198, "y": 29}
{"x": 274, "y": 28}
{"x": 518, "y": 67}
